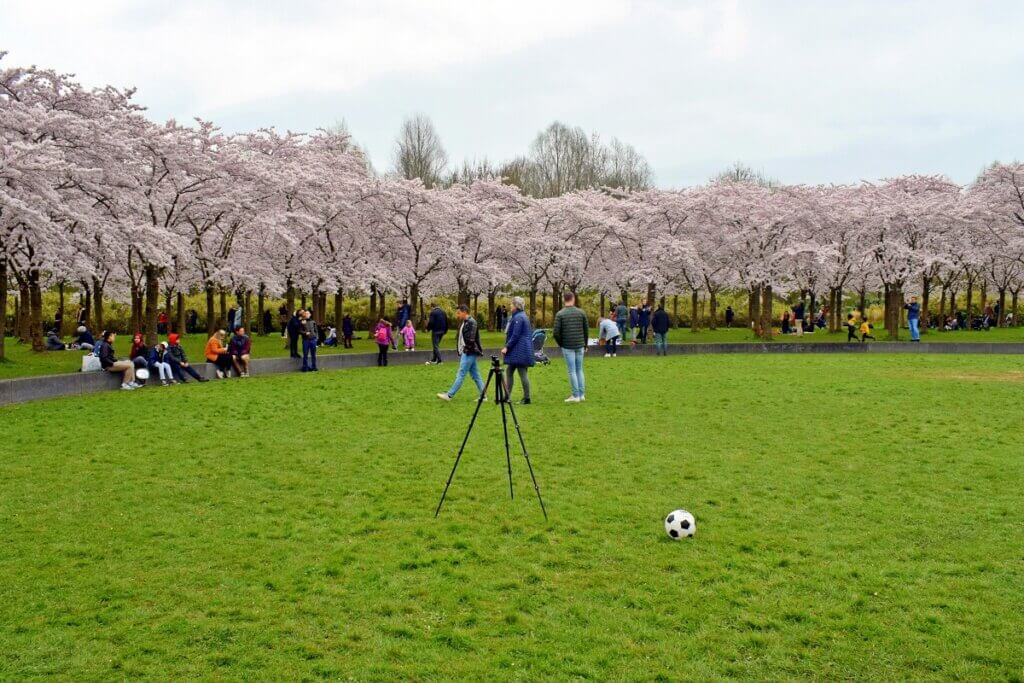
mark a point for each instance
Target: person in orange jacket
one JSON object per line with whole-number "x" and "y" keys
{"x": 217, "y": 354}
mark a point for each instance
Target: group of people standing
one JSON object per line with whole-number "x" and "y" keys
{"x": 639, "y": 319}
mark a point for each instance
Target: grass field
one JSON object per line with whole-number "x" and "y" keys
{"x": 22, "y": 362}
{"x": 858, "y": 518}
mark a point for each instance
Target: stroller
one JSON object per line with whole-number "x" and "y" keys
{"x": 539, "y": 337}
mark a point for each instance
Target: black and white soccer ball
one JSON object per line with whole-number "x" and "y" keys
{"x": 680, "y": 524}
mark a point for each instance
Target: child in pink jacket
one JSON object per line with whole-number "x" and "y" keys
{"x": 409, "y": 336}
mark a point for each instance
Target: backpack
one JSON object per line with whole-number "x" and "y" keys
{"x": 382, "y": 335}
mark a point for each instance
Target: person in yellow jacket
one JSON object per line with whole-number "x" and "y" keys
{"x": 865, "y": 330}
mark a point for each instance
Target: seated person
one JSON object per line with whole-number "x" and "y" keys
{"x": 53, "y": 342}
{"x": 160, "y": 363}
{"x": 85, "y": 339}
{"x": 217, "y": 354}
{"x": 179, "y": 361}
{"x": 139, "y": 352}
{"x": 332, "y": 337}
{"x": 110, "y": 363}
{"x": 240, "y": 347}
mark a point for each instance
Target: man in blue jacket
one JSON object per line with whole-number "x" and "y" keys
{"x": 518, "y": 350}
{"x": 437, "y": 324}
{"x": 660, "y": 324}
{"x": 914, "y": 319}
{"x": 645, "y": 321}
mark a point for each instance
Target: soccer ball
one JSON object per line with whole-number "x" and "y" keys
{"x": 680, "y": 524}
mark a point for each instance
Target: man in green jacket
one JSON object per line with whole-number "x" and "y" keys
{"x": 570, "y": 333}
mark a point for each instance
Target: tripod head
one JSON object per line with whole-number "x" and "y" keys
{"x": 495, "y": 362}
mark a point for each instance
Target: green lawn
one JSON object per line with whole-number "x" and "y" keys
{"x": 858, "y": 518}
{"x": 22, "y": 362}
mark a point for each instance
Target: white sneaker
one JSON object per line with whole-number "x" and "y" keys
{"x": 572, "y": 399}
{"x": 220, "y": 374}
{"x": 127, "y": 387}
{"x": 444, "y": 396}
{"x": 582, "y": 399}
{"x": 614, "y": 356}
{"x": 134, "y": 385}
{"x": 428, "y": 363}
{"x": 607, "y": 355}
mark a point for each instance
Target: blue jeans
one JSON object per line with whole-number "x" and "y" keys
{"x": 308, "y": 354}
{"x": 574, "y": 362}
{"x": 467, "y": 364}
{"x": 622, "y": 328}
{"x": 660, "y": 344}
{"x": 915, "y": 329}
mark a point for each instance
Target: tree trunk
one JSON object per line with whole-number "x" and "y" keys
{"x": 339, "y": 306}
{"x": 382, "y": 302}
{"x": 694, "y": 317}
{"x": 60, "y": 309}
{"x": 543, "y": 306}
{"x": 316, "y": 304}
{"x": 893, "y": 310}
{"x": 1013, "y": 305}
{"x": 373, "y": 306}
{"x": 211, "y": 322}
{"x": 1002, "y": 308}
{"x": 675, "y": 308}
{"x": 983, "y": 296}
{"x": 21, "y": 320}
{"x": 766, "y": 312}
{"x": 926, "y": 290}
{"x": 152, "y": 304}
{"x": 3, "y": 303}
{"x": 168, "y": 296}
{"x": 302, "y": 300}
{"x": 222, "y": 322}
{"x": 602, "y": 305}
{"x": 135, "y": 324}
{"x": 556, "y": 300}
{"x": 491, "y": 325}
{"x": 289, "y": 297}
{"x": 754, "y": 310}
{"x": 831, "y": 310}
{"x": 179, "y": 313}
{"x": 247, "y": 313}
{"x": 97, "y": 305}
{"x": 462, "y": 298}
{"x": 650, "y": 293}
{"x": 533, "y": 307}
{"x": 970, "y": 298}
{"x": 713, "y": 303}
{"x": 35, "y": 312}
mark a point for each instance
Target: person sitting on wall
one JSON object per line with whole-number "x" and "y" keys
{"x": 240, "y": 347}
{"x": 110, "y": 363}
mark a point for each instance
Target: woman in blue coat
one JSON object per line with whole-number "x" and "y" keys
{"x": 518, "y": 351}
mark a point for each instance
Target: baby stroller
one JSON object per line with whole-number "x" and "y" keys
{"x": 539, "y": 337}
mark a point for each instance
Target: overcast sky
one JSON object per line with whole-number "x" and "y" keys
{"x": 805, "y": 91}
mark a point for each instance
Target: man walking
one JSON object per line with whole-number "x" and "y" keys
{"x": 404, "y": 312}
{"x": 310, "y": 337}
{"x": 622, "y": 319}
{"x": 294, "y": 327}
{"x": 660, "y": 324}
{"x": 645, "y": 321}
{"x": 437, "y": 324}
{"x": 469, "y": 348}
{"x": 570, "y": 333}
{"x": 914, "y": 319}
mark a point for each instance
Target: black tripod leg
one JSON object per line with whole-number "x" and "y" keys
{"x": 458, "y": 457}
{"x": 502, "y": 399}
{"x": 526, "y": 455}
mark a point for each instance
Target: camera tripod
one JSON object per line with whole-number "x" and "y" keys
{"x": 501, "y": 397}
